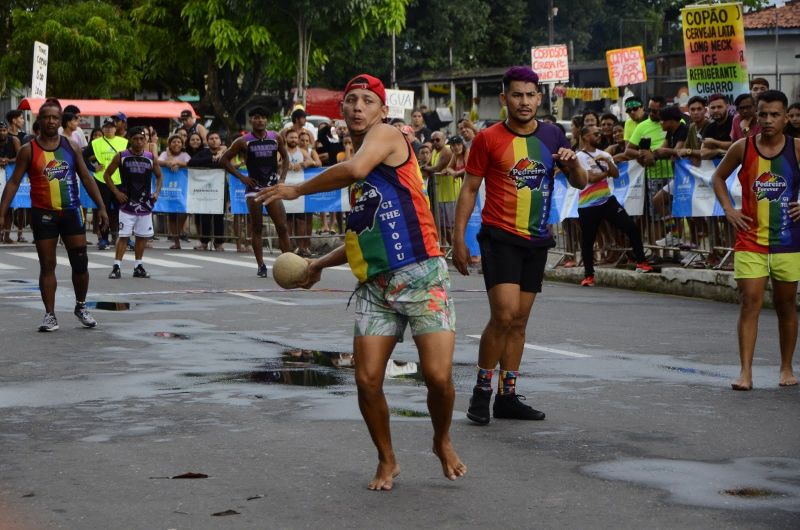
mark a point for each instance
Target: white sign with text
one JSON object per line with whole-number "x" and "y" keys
{"x": 39, "y": 77}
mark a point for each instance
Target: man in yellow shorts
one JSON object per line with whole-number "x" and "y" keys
{"x": 767, "y": 231}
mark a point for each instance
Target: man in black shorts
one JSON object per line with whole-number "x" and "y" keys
{"x": 260, "y": 149}
{"x": 517, "y": 158}
{"x": 53, "y": 164}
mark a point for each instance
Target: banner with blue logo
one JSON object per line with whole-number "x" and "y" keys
{"x": 693, "y": 191}
{"x": 23, "y": 197}
{"x": 474, "y": 223}
{"x": 628, "y": 188}
{"x": 174, "y": 191}
{"x": 327, "y": 201}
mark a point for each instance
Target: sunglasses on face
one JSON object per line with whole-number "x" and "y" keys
{"x": 633, "y": 109}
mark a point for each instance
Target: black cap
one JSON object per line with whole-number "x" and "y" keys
{"x": 109, "y": 121}
{"x": 133, "y": 131}
{"x": 455, "y": 140}
{"x": 186, "y": 114}
{"x": 3, "y": 125}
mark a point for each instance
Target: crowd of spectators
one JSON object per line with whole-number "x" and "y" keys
{"x": 655, "y": 135}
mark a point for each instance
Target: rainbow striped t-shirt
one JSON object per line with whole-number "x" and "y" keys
{"x": 595, "y": 193}
{"x": 390, "y": 224}
{"x": 768, "y": 186}
{"x": 518, "y": 171}
{"x": 54, "y": 182}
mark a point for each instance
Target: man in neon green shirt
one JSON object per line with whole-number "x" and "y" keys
{"x": 636, "y": 114}
{"x": 104, "y": 150}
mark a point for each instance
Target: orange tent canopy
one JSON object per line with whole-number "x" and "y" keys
{"x": 110, "y": 107}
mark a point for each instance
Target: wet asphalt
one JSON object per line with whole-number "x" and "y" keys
{"x": 210, "y": 370}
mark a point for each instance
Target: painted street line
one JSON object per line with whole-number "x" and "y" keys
{"x": 147, "y": 260}
{"x": 61, "y": 260}
{"x": 262, "y": 299}
{"x": 545, "y": 349}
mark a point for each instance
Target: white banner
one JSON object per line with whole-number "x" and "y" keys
{"x": 551, "y": 63}
{"x": 206, "y": 193}
{"x": 399, "y": 101}
{"x": 39, "y": 75}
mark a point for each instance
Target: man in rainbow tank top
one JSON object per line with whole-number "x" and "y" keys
{"x": 53, "y": 164}
{"x": 767, "y": 231}
{"x": 517, "y": 159}
{"x": 392, "y": 247}
{"x": 260, "y": 149}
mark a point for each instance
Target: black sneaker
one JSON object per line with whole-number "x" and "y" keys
{"x": 479, "y": 406}
{"x": 262, "y": 271}
{"x": 115, "y": 273}
{"x": 139, "y": 272}
{"x": 510, "y": 407}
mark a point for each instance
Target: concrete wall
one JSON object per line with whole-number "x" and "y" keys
{"x": 760, "y": 53}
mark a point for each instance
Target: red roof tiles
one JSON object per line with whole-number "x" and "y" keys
{"x": 788, "y": 17}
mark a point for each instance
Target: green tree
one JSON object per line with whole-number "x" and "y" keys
{"x": 93, "y": 49}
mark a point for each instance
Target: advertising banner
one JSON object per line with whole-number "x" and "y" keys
{"x": 626, "y": 66}
{"x": 551, "y": 63}
{"x": 713, "y": 42}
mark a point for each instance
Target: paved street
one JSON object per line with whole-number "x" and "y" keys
{"x": 205, "y": 368}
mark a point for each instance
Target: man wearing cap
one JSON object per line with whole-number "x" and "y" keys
{"x": 105, "y": 149}
{"x": 121, "y": 123}
{"x": 259, "y": 149}
{"x": 516, "y": 159}
{"x": 191, "y": 125}
{"x": 636, "y": 115}
{"x": 136, "y": 169}
{"x": 393, "y": 250}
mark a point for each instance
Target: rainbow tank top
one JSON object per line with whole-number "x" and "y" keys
{"x": 390, "y": 224}
{"x": 54, "y": 182}
{"x": 768, "y": 186}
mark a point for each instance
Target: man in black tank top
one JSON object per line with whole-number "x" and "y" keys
{"x": 190, "y": 125}
{"x": 9, "y": 145}
{"x": 259, "y": 150}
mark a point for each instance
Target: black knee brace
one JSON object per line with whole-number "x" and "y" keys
{"x": 78, "y": 259}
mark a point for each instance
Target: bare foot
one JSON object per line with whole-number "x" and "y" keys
{"x": 787, "y": 378}
{"x": 384, "y": 476}
{"x": 452, "y": 466}
{"x": 742, "y": 384}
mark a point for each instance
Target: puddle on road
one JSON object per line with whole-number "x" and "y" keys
{"x": 109, "y": 306}
{"x": 170, "y": 335}
{"x": 742, "y": 484}
{"x": 695, "y": 371}
{"x": 312, "y": 368}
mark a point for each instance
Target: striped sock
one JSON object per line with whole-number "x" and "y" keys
{"x": 508, "y": 382}
{"x": 484, "y": 379}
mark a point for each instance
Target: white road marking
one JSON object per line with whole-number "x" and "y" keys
{"x": 61, "y": 260}
{"x": 4, "y": 267}
{"x": 249, "y": 265}
{"x": 262, "y": 299}
{"x": 147, "y": 260}
{"x": 545, "y": 348}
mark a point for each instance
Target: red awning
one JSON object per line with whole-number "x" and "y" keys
{"x": 325, "y": 102}
{"x": 109, "y": 107}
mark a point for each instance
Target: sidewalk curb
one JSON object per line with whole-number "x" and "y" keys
{"x": 696, "y": 283}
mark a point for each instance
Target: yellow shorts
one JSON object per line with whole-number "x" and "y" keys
{"x": 784, "y": 267}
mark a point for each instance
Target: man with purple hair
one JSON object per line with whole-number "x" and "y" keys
{"x": 517, "y": 159}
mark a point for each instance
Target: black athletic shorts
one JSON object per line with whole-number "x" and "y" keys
{"x": 506, "y": 262}
{"x": 109, "y": 200}
{"x": 50, "y": 224}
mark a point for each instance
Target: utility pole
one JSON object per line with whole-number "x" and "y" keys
{"x": 550, "y": 17}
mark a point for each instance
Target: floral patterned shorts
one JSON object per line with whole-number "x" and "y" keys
{"x": 417, "y": 294}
